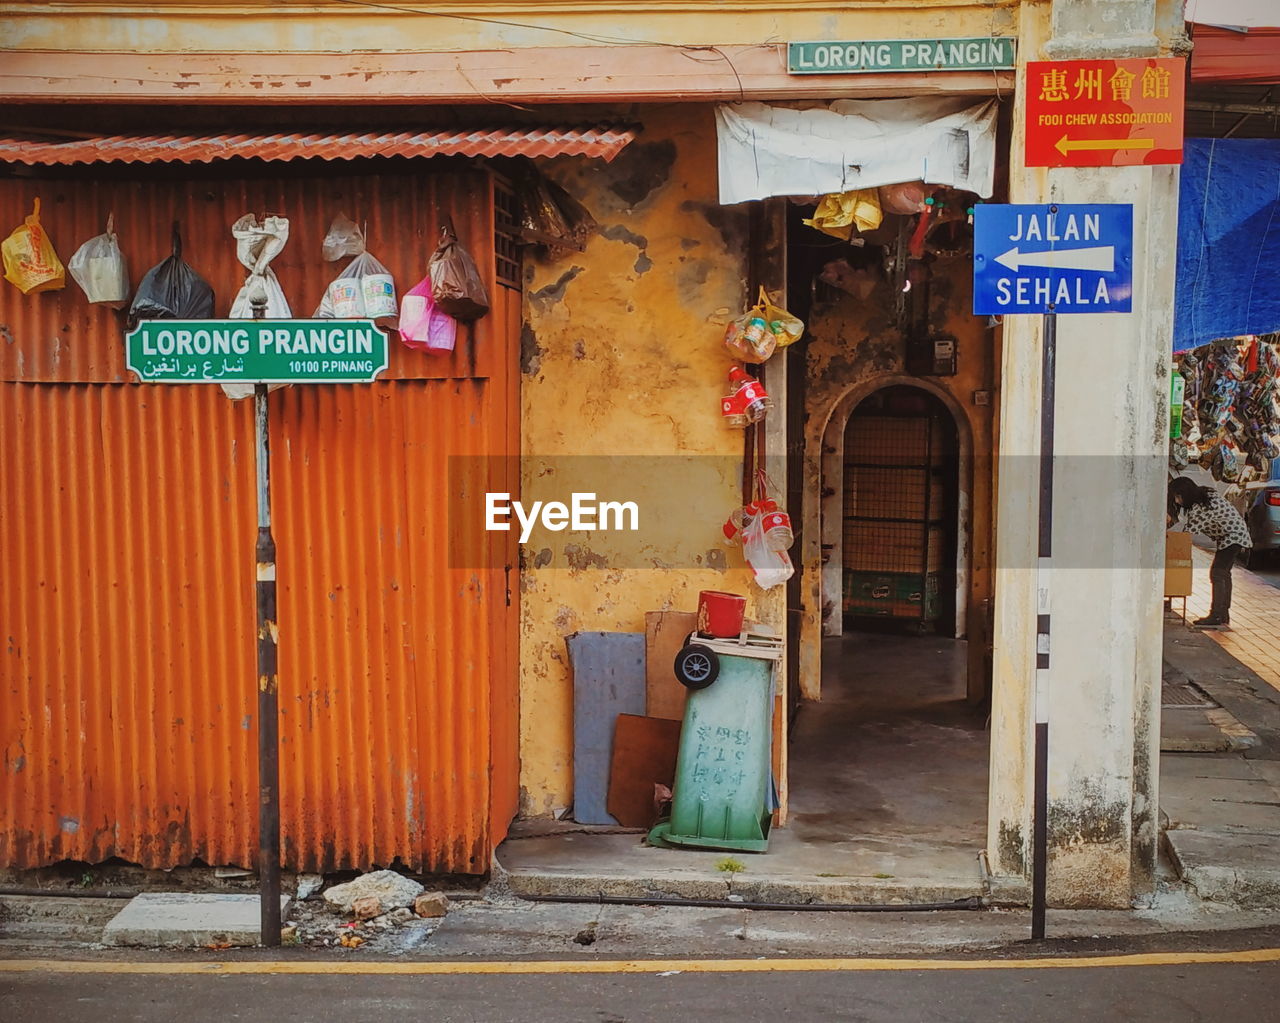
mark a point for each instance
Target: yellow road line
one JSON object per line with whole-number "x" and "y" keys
{"x": 353, "y": 966}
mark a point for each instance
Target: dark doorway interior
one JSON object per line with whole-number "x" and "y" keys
{"x": 899, "y": 535}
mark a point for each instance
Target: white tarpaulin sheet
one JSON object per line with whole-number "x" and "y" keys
{"x": 770, "y": 150}
{"x": 1237, "y": 14}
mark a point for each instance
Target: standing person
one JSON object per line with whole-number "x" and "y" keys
{"x": 1207, "y": 512}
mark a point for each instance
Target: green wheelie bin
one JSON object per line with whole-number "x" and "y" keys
{"x": 721, "y": 798}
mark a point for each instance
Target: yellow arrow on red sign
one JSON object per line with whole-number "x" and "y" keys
{"x": 1065, "y": 145}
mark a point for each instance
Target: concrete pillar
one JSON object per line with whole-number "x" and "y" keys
{"x": 1111, "y": 448}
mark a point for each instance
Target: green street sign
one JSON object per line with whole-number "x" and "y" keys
{"x": 256, "y": 351}
{"x": 859, "y": 57}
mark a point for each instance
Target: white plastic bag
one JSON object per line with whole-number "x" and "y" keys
{"x": 772, "y": 568}
{"x": 256, "y": 246}
{"x": 364, "y": 289}
{"x": 277, "y": 304}
{"x": 343, "y": 239}
{"x": 98, "y": 267}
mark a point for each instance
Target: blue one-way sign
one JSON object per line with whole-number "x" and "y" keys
{"x": 1052, "y": 258}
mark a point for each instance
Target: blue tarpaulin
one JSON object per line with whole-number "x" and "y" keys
{"x": 1228, "y": 241}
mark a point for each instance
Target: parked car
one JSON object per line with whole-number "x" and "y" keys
{"x": 1264, "y": 515}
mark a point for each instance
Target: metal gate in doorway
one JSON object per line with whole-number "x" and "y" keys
{"x": 900, "y": 457}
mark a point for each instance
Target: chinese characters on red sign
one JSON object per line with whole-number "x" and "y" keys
{"x": 1105, "y": 113}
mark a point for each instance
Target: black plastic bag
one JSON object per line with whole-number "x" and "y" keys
{"x": 456, "y": 287}
{"x": 172, "y": 290}
{"x": 551, "y": 217}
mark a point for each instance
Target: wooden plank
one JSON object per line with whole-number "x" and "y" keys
{"x": 644, "y": 755}
{"x": 519, "y": 73}
{"x": 664, "y": 633}
{"x": 608, "y": 680}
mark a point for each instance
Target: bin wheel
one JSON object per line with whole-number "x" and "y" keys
{"x": 697, "y": 666}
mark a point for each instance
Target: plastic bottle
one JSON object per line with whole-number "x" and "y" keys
{"x": 746, "y": 401}
{"x": 777, "y": 526}
{"x": 755, "y": 333}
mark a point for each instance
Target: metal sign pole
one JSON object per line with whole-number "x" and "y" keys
{"x": 268, "y": 701}
{"x": 1023, "y": 264}
{"x": 1040, "y": 811}
{"x": 268, "y": 709}
{"x": 303, "y": 351}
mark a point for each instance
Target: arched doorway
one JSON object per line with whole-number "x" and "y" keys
{"x": 899, "y": 528}
{"x": 890, "y": 764}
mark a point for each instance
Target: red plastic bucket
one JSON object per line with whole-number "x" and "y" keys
{"x": 720, "y": 615}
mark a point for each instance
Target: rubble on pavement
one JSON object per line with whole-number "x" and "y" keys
{"x": 383, "y": 910}
{"x": 391, "y": 890}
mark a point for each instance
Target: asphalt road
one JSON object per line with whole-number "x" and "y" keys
{"x": 1162, "y": 994}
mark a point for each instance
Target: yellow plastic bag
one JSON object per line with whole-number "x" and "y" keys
{"x": 29, "y": 260}
{"x": 784, "y": 326}
{"x": 839, "y": 213}
{"x": 765, "y": 327}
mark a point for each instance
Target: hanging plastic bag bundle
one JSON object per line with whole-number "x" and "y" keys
{"x": 342, "y": 239}
{"x": 761, "y": 330}
{"x": 422, "y": 324}
{"x": 172, "y": 290}
{"x": 364, "y": 289}
{"x": 98, "y": 267}
{"x": 456, "y": 286}
{"x": 256, "y": 246}
{"x": 30, "y": 264}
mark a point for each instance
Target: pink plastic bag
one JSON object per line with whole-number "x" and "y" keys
{"x": 422, "y": 324}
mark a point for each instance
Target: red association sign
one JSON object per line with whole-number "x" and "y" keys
{"x": 1105, "y": 113}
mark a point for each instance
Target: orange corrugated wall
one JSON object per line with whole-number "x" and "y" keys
{"x": 127, "y": 685}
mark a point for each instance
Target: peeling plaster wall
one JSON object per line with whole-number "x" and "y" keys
{"x": 621, "y": 358}
{"x": 855, "y": 349}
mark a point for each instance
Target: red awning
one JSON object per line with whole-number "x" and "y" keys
{"x": 1222, "y": 55}
{"x": 602, "y": 142}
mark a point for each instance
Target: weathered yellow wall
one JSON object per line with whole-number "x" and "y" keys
{"x": 334, "y": 27}
{"x": 622, "y": 359}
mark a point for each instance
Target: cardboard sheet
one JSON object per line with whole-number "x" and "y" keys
{"x": 644, "y": 755}
{"x": 664, "y": 635}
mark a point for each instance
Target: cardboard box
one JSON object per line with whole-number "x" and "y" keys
{"x": 1177, "y": 565}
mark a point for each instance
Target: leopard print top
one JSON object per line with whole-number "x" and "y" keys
{"x": 1220, "y": 522}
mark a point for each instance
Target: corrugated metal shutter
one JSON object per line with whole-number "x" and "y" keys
{"x": 127, "y": 687}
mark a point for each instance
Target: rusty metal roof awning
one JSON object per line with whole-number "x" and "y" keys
{"x": 602, "y": 142}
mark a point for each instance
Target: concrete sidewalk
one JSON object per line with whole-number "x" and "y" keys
{"x": 1222, "y": 810}
{"x": 888, "y": 784}
{"x": 1254, "y": 637}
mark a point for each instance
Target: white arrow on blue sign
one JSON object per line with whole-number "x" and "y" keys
{"x": 1052, "y": 258}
